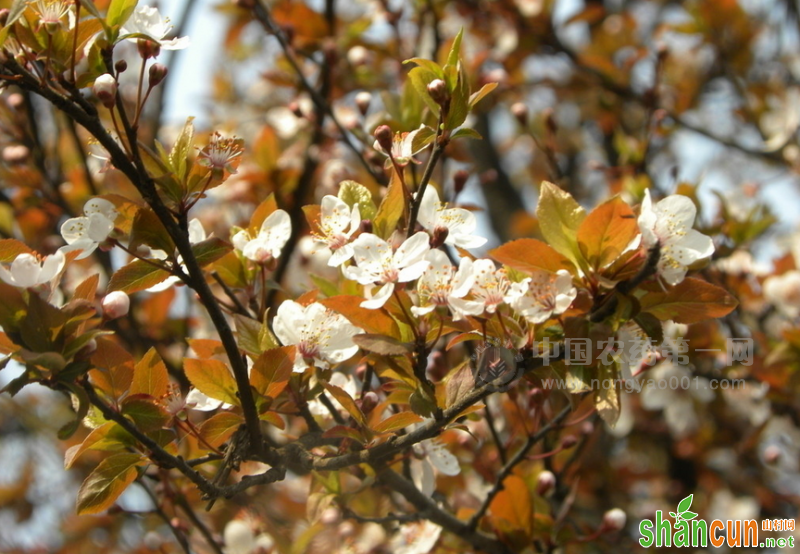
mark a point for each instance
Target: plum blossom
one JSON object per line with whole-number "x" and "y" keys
{"x": 146, "y": 20}
{"x": 379, "y": 264}
{"x": 321, "y": 336}
{"x": 116, "y": 304}
{"x": 440, "y": 284}
{"x": 27, "y": 271}
{"x": 337, "y": 224}
{"x": 460, "y": 223}
{"x": 50, "y": 13}
{"x": 416, "y": 538}
{"x": 433, "y": 455}
{"x": 402, "y": 151}
{"x": 221, "y": 154}
{"x": 489, "y": 287}
{"x": 783, "y": 292}
{"x": 271, "y": 238}
{"x": 542, "y": 295}
{"x": 87, "y": 232}
{"x": 678, "y": 402}
{"x": 668, "y": 224}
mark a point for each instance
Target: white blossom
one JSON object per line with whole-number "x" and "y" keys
{"x": 669, "y": 225}
{"x": 488, "y": 289}
{"x": 440, "y": 284}
{"x": 338, "y": 223}
{"x": 116, "y": 304}
{"x": 267, "y": 245}
{"x": 665, "y": 391}
{"x": 460, "y": 223}
{"x": 433, "y": 457}
{"x": 416, "y": 538}
{"x": 146, "y": 20}
{"x": 403, "y": 150}
{"x": 322, "y": 337}
{"x": 27, "y": 271}
{"x": 783, "y": 292}
{"x": 88, "y": 231}
{"x": 379, "y": 264}
{"x": 543, "y": 295}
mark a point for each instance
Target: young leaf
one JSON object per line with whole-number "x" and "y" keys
{"x": 396, "y": 422}
{"x": 137, "y": 276}
{"x": 11, "y": 248}
{"x": 145, "y": 413}
{"x": 220, "y": 427}
{"x": 347, "y": 403}
{"x": 352, "y": 193}
{"x": 210, "y": 250}
{"x": 119, "y": 11}
{"x": 271, "y": 372}
{"x": 391, "y": 209}
{"x": 108, "y": 437}
{"x": 150, "y": 375}
{"x": 147, "y": 229}
{"x": 104, "y": 485}
{"x": 690, "y": 301}
{"x": 560, "y": 217}
{"x": 529, "y": 255}
{"x": 372, "y": 321}
{"x": 380, "y": 344}
{"x": 212, "y": 378}
{"x": 606, "y": 232}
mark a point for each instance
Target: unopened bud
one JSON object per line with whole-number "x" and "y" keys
{"x": 460, "y": 180}
{"x": 295, "y": 108}
{"x": 520, "y": 111}
{"x": 330, "y": 516}
{"x": 121, "y": 66}
{"x": 545, "y": 483}
{"x": 587, "y": 427}
{"x": 148, "y": 48}
{"x": 437, "y": 89}
{"x": 15, "y": 100}
{"x": 105, "y": 89}
{"x": 384, "y": 136}
{"x": 157, "y": 73}
{"x": 439, "y": 236}
{"x": 772, "y": 454}
{"x": 116, "y": 304}
{"x": 368, "y": 402}
{"x": 614, "y": 519}
{"x": 365, "y": 226}
{"x": 569, "y": 441}
{"x": 4, "y": 16}
{"x": 15, "y": 153}
{"x": 363, "y": 100}
{"x": 357, "y": 55}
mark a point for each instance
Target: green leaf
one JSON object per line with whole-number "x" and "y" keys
{"x": 211, "y": 250}
{"x": 688, "y": 515}
{"x": 352, "y": 193}
{"x": 14, "y": 13}
{"x": 455, "y": 49}
{"x": 108, "y": 437}
{"x": 150, "y": 376}
{"x": 420, "y": 77}
{"x": 690, "y": 301}
{"x": 179, "y": 155}
{"x": 104, "y": 485}
{"x": 119, "y": 11}
{"x": 560, "y": 217}
{"x": 685, "y": 504}
{"x": 466, "y": 132}
{"x": 212, "y": 378}
{"x": 137, "y": 276}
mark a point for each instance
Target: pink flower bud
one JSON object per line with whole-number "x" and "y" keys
{"x": 460, "y": 180}
{"x": 157, "y": 73}
{"x": 105, "y": 89}
{"x": 520, "y": 111}
{"x": 438, "y": 91}
{"x": 148, "y": 49}
{"x": 384, "y": 136}
{"x": 368, "y": 402}
{"x": 365, "y": 226}
{"x": 569, "y": 441}
{"x": 772, "y": 454}
{"x": 545, "y": 483}
{"x": 121, "y": 66}
{"x": 614, "y": 519}
{"x": 116, "y": 304}
{"x": 439, "y": 236}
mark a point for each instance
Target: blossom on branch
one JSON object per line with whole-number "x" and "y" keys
{"x": 668, "y": 224}
{"x": 460, "y": 223}
{"x": 542, "y": 295}
{"x": 87, "y": 232}
{"x": 337, "y": 225}
{"x": 271, "y": 238}
{"x": 379, "y": 264}
{"x": 147, "y": 21}
{"x": 440, "y": 285}
{"x": 322, "y": 337}
{"x": 27, "y": 271}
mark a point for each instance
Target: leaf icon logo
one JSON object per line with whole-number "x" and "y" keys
{"x": 683, "y": 510}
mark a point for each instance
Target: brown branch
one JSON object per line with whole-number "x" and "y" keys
{"x": 179, "y": 536}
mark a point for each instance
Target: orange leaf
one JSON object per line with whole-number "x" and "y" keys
{"x": 107, "y": 482}
{"x": 606, "y": 232}
{"x": 690, "y": 301}
{"x": 397, "y": 421}
{"x": 113, "y": 371}
{"x": 347, "y": 403}
{"x": 513, "y": 506}
{"x": 219, "y": 427}
{"x": 271, "y": 372}
{"x": 372, "y": 321}
{"x": 212, "y": 378}
{"x": 530, "y": 255}
{"x": 150, "y": 376}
